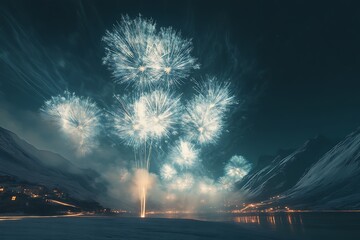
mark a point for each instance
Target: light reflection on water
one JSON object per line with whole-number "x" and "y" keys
{"x": 309, "y": 225}
{"x": 278, "y": 219}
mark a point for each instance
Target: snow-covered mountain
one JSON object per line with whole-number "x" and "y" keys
{"x": 283, "y": 171}
{"x": 20, "y": 159}
{"x": 334, "y": 181}
{"x": 318, "y": 175}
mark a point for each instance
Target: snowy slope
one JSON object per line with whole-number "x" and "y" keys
{"x": 334, "y": 181}
{"x": 283, "y": 172}
{"x": 19, "y": 158}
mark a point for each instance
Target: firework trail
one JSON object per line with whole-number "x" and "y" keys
{"x": 29, "y": 66}
{"x": 78, "y": 119}
{"x": 144, "y": 121}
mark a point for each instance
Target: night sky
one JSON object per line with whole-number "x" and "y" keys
{"x": 294, "y": 65}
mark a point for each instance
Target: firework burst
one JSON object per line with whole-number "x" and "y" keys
{"x": 184, "y": 154}
{"x": 136, "y": 53}
{"x": 150, "y": 117}
{"x": 167, "y": 172}
{"x": 237, "y": 168}
{"x": 130, "y": 51}
{"x": 78, "y": 118}
{"x": 174, "y": 61}
{"x": 203, "y": 120}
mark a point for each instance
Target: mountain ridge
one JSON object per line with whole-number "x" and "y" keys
{"x": 21, "y": 159}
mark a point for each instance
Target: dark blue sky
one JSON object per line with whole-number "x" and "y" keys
{"x": 294, "y": 64}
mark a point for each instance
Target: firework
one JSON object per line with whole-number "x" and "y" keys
{"x": 152, "y": 61}
{"x": 237, "y": 168}
{"x": 78, "y": 118}
{"x": 182, "y": 183}
{"x": 150, "y": 117}
{"x": 216, "y": 93}
{"x": 130, "y": 51}
{"x": 184, "y": 154}
{"x": 203, "y": 120}
{"x": 167, "y": 172}
{"x": 163, "y": 111}
{"x": 174, "y": 61}
{"x": 225, "y": 183}
{"x": 136, "y": 53}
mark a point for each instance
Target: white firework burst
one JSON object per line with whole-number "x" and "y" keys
{"x": 78, "y": 118}
{"x": 216, "y": 93}
{"x": 163, "y": 111}
{"x": 237, "y": 168}
{"x": 203, "y": 120}
{"x": 184, "y": 154}
{"x": 167, "y": 172}
{"x": 174, "y": 61}
{"x": 136, "y": 53}
{"x": 150, "y": 117}
{"x": 130, "y": 51}
{"x": 225, "y": 183}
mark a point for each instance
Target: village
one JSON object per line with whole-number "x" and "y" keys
{"x": 21, "y": 197}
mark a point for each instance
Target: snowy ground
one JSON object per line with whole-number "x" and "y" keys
{"x": 123, "y": 228}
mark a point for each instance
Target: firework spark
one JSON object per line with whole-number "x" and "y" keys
{"x": 184, "y": 154}
{"x": 150, "y": 117}
{"x": 237, "y": 168}
{"x": 78, "y": 118}
{"x": 136, "y": 53}
{"x": 130, "y": 51}
{"x": 204, "y": 117}
{"x": 167, "y": 172}
{"x": 216, "y": 93}
{"x": 174, "y": 61}
{"x": 225, "y": 183}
